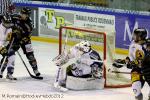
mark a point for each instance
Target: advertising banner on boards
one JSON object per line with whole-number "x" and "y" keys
{"x": 125, "y": 26}
{"x": 124, "y": 21}
{"x": 50, "y": 20}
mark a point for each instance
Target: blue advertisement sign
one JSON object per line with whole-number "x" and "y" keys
{"x": 125, "y": 26}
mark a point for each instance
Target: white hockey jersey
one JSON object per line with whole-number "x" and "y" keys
{"x": 3, "y": 34}
{"x": 84, "y": 61}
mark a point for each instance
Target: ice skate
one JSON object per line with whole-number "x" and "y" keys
{"x": 1, "y": 75}
{"x": 36, "y": 72}
{"x": 139, "y": 97}
{"x": 10, "y": 77}
{"x": 59, "y": 87}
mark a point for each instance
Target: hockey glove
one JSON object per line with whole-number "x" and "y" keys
{"x": 3, "y": 51}
{"x": 118, "y": 63}
{"x": 132, "y": 64}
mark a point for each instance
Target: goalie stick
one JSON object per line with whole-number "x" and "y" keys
{"x": 104, "y": 61}
{"x": 35, "y": 77}
{"x": 112, "y": 71}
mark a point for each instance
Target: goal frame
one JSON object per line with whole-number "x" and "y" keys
{"x": 104, "y": 50}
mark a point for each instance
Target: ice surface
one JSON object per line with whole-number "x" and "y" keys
{"x": 26, "y": 88}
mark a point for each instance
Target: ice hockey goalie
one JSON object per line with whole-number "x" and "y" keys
{"x": 80, "y": 68}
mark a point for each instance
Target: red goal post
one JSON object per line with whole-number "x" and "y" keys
{"x": 77, "y": 34}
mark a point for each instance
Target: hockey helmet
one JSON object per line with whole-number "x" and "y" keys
{"x": 85, "y": 46}
{"x": 140, "y": 32}
{"x": 26, "y": 10}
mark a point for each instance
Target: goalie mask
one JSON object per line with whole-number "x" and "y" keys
{"x": 85, "y": 46}
{"x": 139, "y": 34}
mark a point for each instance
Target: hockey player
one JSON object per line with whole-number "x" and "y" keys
{"x": 22, "y": 31}
{"x": 145, "y": 65}
{"x": 6, "y": 33}
{"x": 24, "y": 41}
{"x": 134, "y": 61}
{"x": 87, "y": 64}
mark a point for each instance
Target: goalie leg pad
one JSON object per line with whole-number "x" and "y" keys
{"x": 76, "y": 83}
{"x": 61, "y": 76}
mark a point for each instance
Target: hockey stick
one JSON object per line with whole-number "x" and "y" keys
{"x": 35, "y": 77}
{"x": 100, "y": 61}
{"x": 112, "y": 71}
{"x": 5, "y": 57}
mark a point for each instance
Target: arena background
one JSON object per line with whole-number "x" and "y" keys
{"x": 49, "y": 16}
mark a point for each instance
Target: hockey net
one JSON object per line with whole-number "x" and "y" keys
{"x": 102, "y": 42}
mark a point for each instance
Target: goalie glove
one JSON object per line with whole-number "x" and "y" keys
{"x": 61, "y": 60}
{"x": 118, "y": 63}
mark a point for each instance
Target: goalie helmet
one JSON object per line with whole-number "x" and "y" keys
{"x": 85, "y": 46}
{"x": 26, "y": 10}
{"x": 140, "y": 33}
